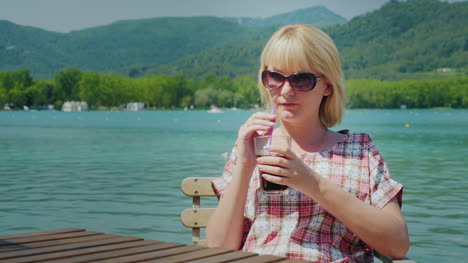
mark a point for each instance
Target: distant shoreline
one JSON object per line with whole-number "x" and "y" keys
{"x": 225, "y": 109}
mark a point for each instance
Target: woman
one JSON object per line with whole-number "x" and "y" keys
{"x": 341, "y": 202}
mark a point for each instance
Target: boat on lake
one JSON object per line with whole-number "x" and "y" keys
{"x": 215, "y": 109}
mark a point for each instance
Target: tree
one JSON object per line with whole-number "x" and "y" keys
{"x": 205, "y": 97}
{"x": 4, "y": 87}
{"x": 152, "y": 91}
{"x": 22, "y": 78}
{"x": 35, "y": 96}
{"x": 88, "y": 86}
{"x": 186, "y": 101}
{"x": 225, "y": 98}
{"x": 246, "y": 92}
{"x": 66, "y": 83}
{"x": 18, "y": 96}
{"x": 3, "y": 97}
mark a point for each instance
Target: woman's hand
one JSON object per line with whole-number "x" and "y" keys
{"x": 377, "y": 227}
{"x": 258, "y": 123}
{"x": 285, "y": 168}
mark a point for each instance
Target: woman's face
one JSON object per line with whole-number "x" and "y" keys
{"x": 293, "y": 105}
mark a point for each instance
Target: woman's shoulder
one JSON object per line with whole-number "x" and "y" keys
{"x": 353, "y": 142}
{"x": 354, "y": 136}
{"x": 352, "y": 145}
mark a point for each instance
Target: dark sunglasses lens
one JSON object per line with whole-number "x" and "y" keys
{"x": 272, "y": 80}
{"x": 303, "y": 81}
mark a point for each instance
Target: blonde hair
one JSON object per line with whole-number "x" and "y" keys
{"x": 303, "y": 47}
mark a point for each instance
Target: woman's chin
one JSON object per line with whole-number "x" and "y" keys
{"x": 287, "y": 116}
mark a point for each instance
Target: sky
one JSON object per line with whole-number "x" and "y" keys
{"x": 68, "y": 15}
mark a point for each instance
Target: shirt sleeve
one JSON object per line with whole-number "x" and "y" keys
{"x": 383, "y": 188}
{"x": 219, "y": 184}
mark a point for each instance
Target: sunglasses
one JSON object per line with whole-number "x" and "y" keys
{"x": 303, "y": 81}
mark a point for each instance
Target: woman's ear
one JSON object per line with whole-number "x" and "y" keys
{"x": 328, "y": 90}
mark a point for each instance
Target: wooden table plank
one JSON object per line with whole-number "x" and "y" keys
{"x": 42, "y": 233}
{"x": 114, "y": 255}
{"x": 227, "y": 257}
{"x": 50, "y": 249}
{"x": 30, "y": 239}
{"x": 153, "y": 255}
{"x": 260, "y": 259}
{"x": 291, "y": 261}
{"x": 55, "y": 242}
{"x": 77, "y": 252}
{"x": 191, "y": 255}
{"x": 74, "y": 245}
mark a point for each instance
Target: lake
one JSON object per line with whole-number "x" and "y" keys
{"x": 120, "y": 172}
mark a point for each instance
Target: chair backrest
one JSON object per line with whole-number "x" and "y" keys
{"x": 197, "y": 217}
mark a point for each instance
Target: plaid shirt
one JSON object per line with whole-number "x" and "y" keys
{"x": 292, "y": 225}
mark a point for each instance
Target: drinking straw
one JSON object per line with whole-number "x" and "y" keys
{"x": 267, "y": 146}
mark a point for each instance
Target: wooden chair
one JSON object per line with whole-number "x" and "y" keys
{"x": 197, "y": 217}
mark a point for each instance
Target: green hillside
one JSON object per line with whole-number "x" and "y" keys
{"x": 318, "y": 16}
{"x": 107, "y": 48}
{"x": 404, "y": 37}
{"x": 156, "y": 41}
{"x": 29, "y": 47}
{"x": 399, "y": 41}
{"x": 231, "y": 61}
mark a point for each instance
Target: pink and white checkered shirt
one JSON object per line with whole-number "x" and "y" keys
{"x": 292, "y": 225}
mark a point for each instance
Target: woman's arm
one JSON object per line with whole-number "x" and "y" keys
{"x": 384, "y": 229}
{"x": 225, "y": 227}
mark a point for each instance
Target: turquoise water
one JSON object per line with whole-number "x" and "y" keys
{"x": 120, "y": 172}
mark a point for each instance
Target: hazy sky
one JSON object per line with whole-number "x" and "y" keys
{"x": 67, "y": 15}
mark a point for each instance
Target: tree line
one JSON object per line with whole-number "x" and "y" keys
{"x": 449, "y": 92}
{"x": 18, "y": 89}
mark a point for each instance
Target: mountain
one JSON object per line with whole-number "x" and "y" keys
{"x": 318, "y": 16}
{"x": 394, "y": 42}
{"x": 106, "y": 48}
{"x": 156, "y": 41}
{"x": 231, "y": 60}
{"x": 29, "y": 47}
{"x": 399, "y": 39}
{"x": 404, "y": 37}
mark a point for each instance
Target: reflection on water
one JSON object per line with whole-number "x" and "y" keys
{"x": 119, "y": 172}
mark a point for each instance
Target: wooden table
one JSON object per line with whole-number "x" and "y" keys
{"x": 79, "y": 245}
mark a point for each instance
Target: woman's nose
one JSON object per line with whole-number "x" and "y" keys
{"x": 287, "y": 90}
